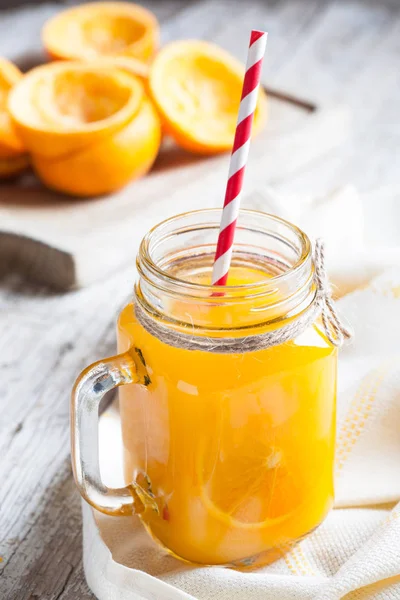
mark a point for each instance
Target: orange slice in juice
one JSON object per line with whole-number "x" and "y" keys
{"x": 248, "y": 485}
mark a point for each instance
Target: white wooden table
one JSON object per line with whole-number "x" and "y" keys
{"x": 345, "y": 51}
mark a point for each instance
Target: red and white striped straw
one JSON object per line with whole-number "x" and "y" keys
{"x": 240, "y": 152}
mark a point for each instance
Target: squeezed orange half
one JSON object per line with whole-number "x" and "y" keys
{"x": 233, "y": 451}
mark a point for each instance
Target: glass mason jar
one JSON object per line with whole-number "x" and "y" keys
{"x": 227, "y": 395}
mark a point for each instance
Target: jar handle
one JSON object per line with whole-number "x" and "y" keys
{"x": 89, "y": 388}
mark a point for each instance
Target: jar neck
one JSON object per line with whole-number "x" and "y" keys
{"x": 272, "y": 271}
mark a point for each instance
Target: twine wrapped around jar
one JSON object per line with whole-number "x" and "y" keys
{"x": 322, "y": 306}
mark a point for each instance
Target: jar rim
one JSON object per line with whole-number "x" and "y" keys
{"x": 159, "y": 272}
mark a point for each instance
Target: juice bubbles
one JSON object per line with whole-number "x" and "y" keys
{"x": 233, "y": 451}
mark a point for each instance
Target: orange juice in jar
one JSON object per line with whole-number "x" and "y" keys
{"x": 227, "y": 396}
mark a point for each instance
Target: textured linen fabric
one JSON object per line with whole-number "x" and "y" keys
{"x": 355, "y": 553}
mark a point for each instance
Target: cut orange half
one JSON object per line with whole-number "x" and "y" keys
{"x": 129, "y": 64}
{"x": 90, "y": 128}
{"x": 109, "y": 164}
{"x": 60, "y": 107}
{"x": 102, "y": 29}
{"x": 10, "y": 144}
{"x": 196, "y": 87}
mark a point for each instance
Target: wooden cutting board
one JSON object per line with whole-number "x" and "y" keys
{"x": 65, "y": 243}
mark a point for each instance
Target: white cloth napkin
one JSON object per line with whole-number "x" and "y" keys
{"x": 355, "y": 553}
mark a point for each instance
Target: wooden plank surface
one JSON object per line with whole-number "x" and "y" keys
{"x": 345, "y": 51}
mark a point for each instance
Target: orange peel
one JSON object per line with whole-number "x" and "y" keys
{"x": 13, "y": 159}
{"x": 129, "y": 64}
{"x": 109, "y": 164}
{"x": 196, "y": 87}
{"x": 101, "y": 29}
{"x": 90, "y": 128}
